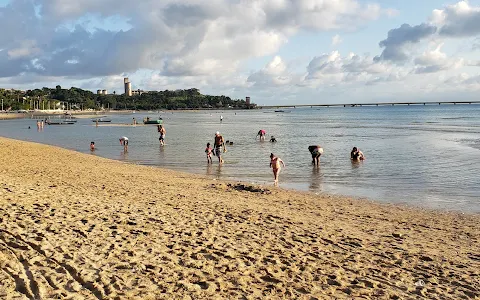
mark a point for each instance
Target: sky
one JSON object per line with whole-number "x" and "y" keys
{"x": 275, "y": 51}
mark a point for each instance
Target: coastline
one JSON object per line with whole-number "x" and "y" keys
{"x": 75, "y": 224}
{"x": 85, "y": 114}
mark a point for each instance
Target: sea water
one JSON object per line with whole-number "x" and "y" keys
{"x": 425, "y": 156}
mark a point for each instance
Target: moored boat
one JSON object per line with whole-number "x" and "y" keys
{"x": 102, "y": 120}
{"x": 59, "y": 122}
{"x": 147, "y": 120}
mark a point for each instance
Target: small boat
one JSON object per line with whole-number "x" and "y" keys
{"x": 150, "y": 121}
{"x": 102, "y": 120}
{"x": 279, "y": 111}
{"x": 59, "y": 122}
{"x": 70, "y": 120}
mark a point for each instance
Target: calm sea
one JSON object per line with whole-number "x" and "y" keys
{"x": 425, "y": 156}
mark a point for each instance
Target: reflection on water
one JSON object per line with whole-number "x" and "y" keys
{"x": 316, "y": 179}
{"x": 356, "y": 163}
{"x": 402, "y": 144}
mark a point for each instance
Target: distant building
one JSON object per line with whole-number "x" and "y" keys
{"x": 99, "y": 92}
{"x": 128, "y": 86}
{"x": 104, "y": 92}
{"x": 247, "y": 100}
{"x": 138, "y": 92}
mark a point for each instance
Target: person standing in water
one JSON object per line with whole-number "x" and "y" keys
{"x": 275, "y": 165}
{"x": 124, "y": 141}
{"x": 221, "y": 118}
{"x": 356, "y": 154}
{"x": 316, "y": 151}
{"x": 162, "y": 132}
{"x": 208, "y": 151}
{"x": 219, "y": 145}
{"x": 92, "y": 146}
{"x": 262, "y": 134}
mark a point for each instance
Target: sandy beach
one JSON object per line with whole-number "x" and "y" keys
{"x": 77, "y": 226}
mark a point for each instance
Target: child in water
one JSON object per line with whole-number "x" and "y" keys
{"x": 208, "y": 151}
{"x": 275, "y": 165}
{"x": 92, "y": 146}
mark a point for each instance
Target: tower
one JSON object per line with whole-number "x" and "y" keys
{"x": 247, "y": 100}
{"x": 128, "y": 86}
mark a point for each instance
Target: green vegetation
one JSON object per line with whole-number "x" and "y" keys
{"x": 76, "y": 98}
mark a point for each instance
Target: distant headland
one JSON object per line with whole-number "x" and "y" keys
{"x": 78, "y": 99}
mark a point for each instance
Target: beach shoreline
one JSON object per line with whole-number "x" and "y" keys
{"x": 78, "y": 225}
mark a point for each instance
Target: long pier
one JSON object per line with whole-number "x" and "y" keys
{"x": 368, "y": 104}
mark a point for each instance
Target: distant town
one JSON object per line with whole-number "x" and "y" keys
{"x": 78, "y": 99}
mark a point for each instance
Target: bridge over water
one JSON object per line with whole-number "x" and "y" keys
{"x": 368, "y": 104}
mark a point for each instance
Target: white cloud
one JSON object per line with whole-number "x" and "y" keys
{"x": 275, "y": 73}
{"x": 457, "y": 20}
{"x": 435, "y": 61}
{"x": 334, "y": 69}
{"x": 336, "y": 40}
{"x": 180, "y": 37}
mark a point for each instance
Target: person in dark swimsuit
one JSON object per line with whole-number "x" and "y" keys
{"x": 316, "y": 151}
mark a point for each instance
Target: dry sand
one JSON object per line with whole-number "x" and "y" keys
{"x": 76, "y": 226}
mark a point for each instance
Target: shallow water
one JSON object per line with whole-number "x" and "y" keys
{"x": 418, "y": 155}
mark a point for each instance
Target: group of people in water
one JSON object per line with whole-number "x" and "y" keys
{"x": 276, "y": 163}
{"x": 219, "y": 147}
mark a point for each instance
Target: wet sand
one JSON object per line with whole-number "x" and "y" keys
{"x": 77, "y": 226}
{"x": 8, "y": 116}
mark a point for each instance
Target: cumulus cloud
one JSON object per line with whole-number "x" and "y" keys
{"x": 457, "y": 20}
{"x": 178, "y": 37}
{"x": 275, "y": 73}
{"x": 332, "y": 68}
{"x": 397, "y": 40}
{"x": 435, "y": 61}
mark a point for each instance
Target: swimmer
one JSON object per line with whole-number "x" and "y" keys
{"x": 92, "y": 146}
{"x": 275, "y": 165}
{"x": 273, "y": 139}
{"x": 356, "y": 154}
{"x": 124, "y": 141}
{"x": 262, "y": 134}
{"x": 316, "y": 152}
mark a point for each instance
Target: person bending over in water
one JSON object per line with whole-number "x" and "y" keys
{"x": 356, "y": 154}
{"x": 262, "y": 134}
{"x": 275, "y": 165}
{"x": 316, "y": 151}
{"x": 124, "y": 141}
{"x": 92, "y": 146}
{"x": 208, "y": 151}
{"x": 273, "y": 139}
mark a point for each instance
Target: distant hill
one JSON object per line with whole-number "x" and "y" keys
{"x": 83, "y": 99}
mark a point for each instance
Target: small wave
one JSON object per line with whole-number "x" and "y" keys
{"x": 457, "y": 118}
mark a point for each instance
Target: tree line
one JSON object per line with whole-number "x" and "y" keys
{"x": 76, "y": 98}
